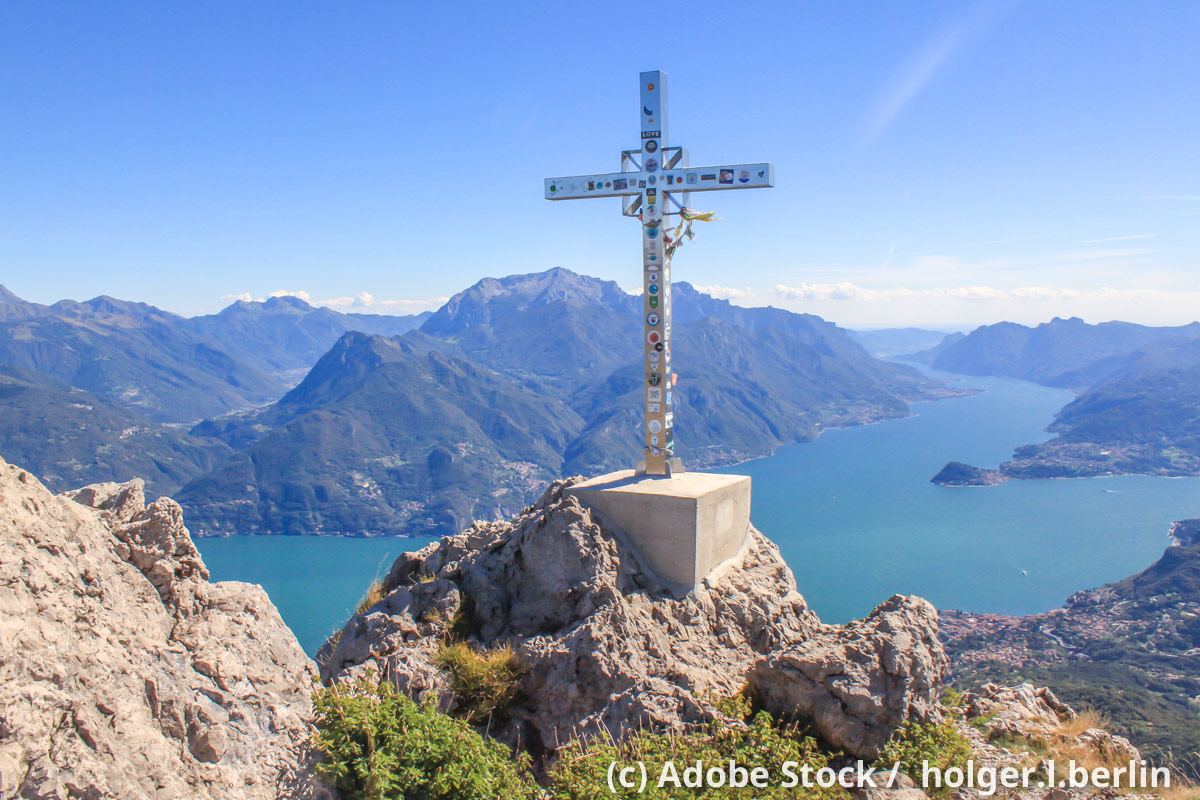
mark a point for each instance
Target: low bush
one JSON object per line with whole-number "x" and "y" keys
{"x": 485, "y": 682}
{"x": 380, "y": 745}
{"x": 937, "y": 743}
{"x": 581, "y": 771}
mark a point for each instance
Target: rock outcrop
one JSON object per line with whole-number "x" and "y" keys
{"x": 123, "y": 671}
{"x": 1026, "y": 713}
{"x": 860, "y": 682}
{"x": 603, "y": 648}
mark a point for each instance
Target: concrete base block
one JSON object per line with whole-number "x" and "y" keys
{"x": 683, "y": 526}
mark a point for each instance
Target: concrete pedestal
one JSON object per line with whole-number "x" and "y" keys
{"x": 682, "y": 526}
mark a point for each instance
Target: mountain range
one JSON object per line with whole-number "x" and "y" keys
{"x": 1138, "y": 403}
{"x": 516, "y": 381}
{"x": 394, "y": 427}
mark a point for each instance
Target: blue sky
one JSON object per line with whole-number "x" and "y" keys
{"x": 941, "y": 164}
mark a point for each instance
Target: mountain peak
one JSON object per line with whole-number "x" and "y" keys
{"x": 7, "y": 297}
{"x": 285, "y": 301}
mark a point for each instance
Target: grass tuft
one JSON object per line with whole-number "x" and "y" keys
{"x": 485, "y": 682}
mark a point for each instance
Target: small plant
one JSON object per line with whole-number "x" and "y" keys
{"x": 426, "y": 577}
{"x": 581, "y": 770}
{"x": 380, "y": 745}
{"x": 485, "y": 682}
{"x": 371, "y": 598}
{"x": 937, "y": 743}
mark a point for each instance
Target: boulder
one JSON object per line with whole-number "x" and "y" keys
{"x": 859, "y": 682}
{"x": 124, "y": 672}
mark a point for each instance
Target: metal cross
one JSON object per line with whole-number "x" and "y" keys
{"x": 649, "y": 180}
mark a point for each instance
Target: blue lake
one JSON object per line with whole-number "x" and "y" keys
{"x": 857, "y": 520}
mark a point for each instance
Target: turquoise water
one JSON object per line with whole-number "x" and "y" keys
{"x": 314, "y": 581}
{"x": 857, "y": 520}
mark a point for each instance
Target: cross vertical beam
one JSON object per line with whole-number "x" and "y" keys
{"x": 658, "y": 432}
{"x": 649, "y": 189}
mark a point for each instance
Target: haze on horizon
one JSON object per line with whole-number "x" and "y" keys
{"x": 942, "y": 166}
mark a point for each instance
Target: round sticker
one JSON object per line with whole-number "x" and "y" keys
{"x": 649, "y": 87}
{"x": 657, "y": 345}
{"x": 652, "y": 319}
{"x": 744, "y": 176}
{"x": 654, "y": 356}
{"x": 653, "y": 288}
{"x": 652, "y": 165}
{"x": 651, "y": 145}
{"x": 654, "y": 338}
{"x": 655, "y": 379}
{"x": 654, "y": 426}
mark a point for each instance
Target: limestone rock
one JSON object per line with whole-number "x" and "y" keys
{"x": 123, "y": 671}
{"x": 605, "y": 649}
{"x": 859, "y": 682}
{"x": 1022, "y": 711}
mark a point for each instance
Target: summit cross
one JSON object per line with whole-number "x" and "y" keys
{"x": 648, "y": 184}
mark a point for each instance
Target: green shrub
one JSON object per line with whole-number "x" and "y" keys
{"x": 485, "y": 682}
{"x": 581, "y": 770}
{"x": 380, "y": 745}
{"x": 937, "y": 743}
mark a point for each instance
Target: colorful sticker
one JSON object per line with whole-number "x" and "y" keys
{"x": 653, "y": 356}
{"x": 652, "y": 288}
{"x": 651, "y": 196}
{"x": 726, "y": 176}
{"x": 653, "y": 408}
{"x": 652, "y": 319}
{"x": 652, "y": 165}
{"x": 654, "y": 426}
{"x": 553, "y": 188}
{"x": 744, "y": 176}
{"x": 654, "y": 302}
{"x": 654, "y": 438}
{"x": 654, "y": 338}
{"x": 691, "y": 178}
{"x": 652, "y": 232}
{"x": 710, "y": 176}
{"x": 621, "y": 184}
{"x": 651, "y": 145}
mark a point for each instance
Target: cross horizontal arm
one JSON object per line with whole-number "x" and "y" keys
{"x": 711, "y": 179}
{"x": 611, "y": 184}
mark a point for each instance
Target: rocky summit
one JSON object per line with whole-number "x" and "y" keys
{"x": 123, "y": 671}
{"x": 603, "y": 649}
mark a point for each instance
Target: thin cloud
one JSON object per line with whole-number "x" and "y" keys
{"x": 1184, "y": 197}
{"x": 1120, "y": 238}
{"x": 363, "y": 302}
{"x": 1027, "y": 238}
{"x": 723, "y": 292}
{"x": 916, "y": 73}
